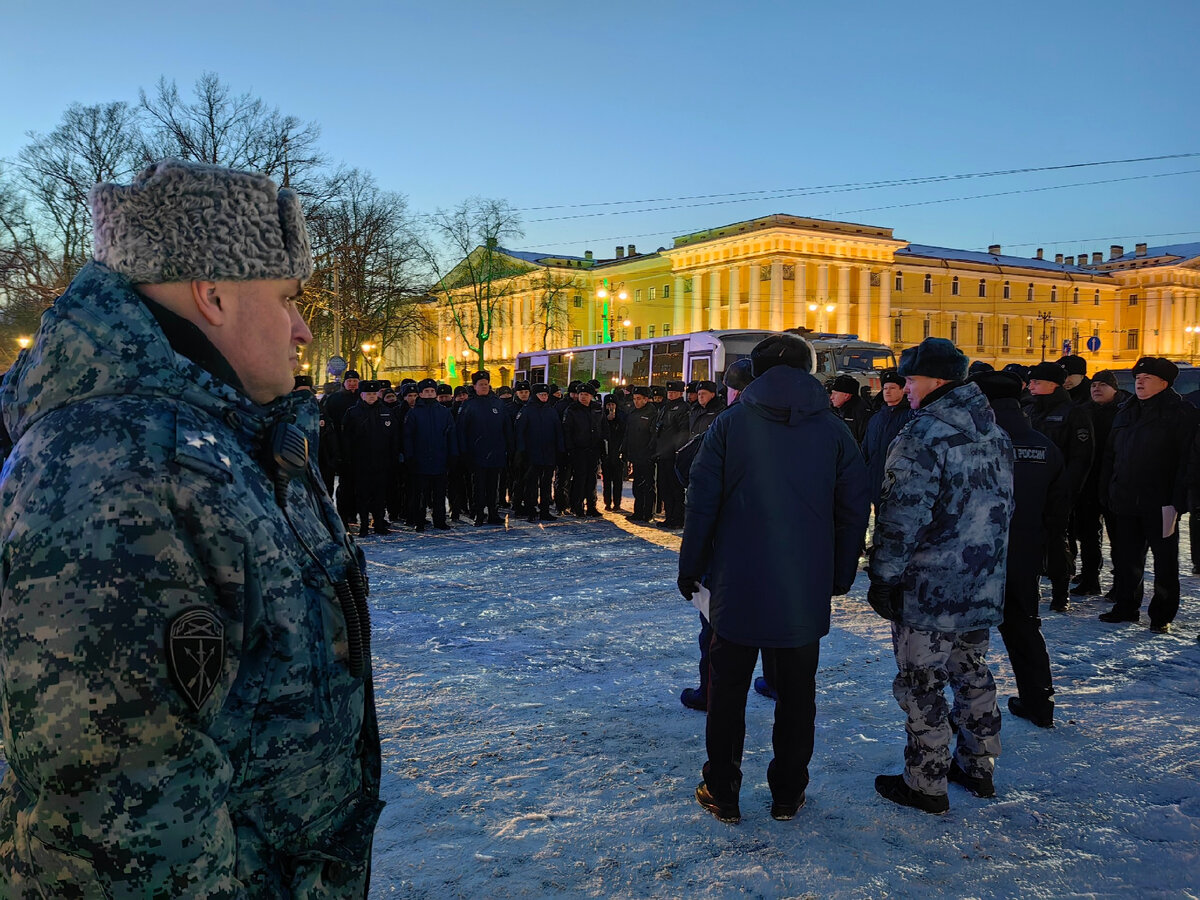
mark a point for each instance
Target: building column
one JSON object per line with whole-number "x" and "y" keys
{"x": 776, "y": 312}
{"x": 1175, "y": 304}
{"x": 864, "y": 304}
{"x": 843, "y": 301}
{"x": 822, "y": 297}
{"x": 714, "y": 299}
{"x": 799, "y": 294}
{"x": 697, "y": 302}
{"x": 753, "y": 303}
{"x": 735, "y": 296}
{"x": 1150, "y": 328}
{"x": 885, "y": 307}
{"x": 677, "y": 322}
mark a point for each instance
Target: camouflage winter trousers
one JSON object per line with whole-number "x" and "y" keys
{"x": 928, "y": 661}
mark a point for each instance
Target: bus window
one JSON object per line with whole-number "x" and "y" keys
{"x": 558, "y": 369}
{"x": 582, "y": 363}
{"x": 701, "y": 368}
{"x": 864, "y": 359}
{"x": 608, "y": 369}
{"x": 824, "y": 363}
{"x": 537, "y": 375}
{"x": 668, "y": 362}
{"x": 635, "y": 365}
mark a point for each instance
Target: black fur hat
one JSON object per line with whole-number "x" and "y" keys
{"x": 782, "y": 350}
{"x": 934, "y": 358}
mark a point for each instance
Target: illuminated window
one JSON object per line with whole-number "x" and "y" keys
{"x": 666, "y": 332}
{"x": 1131, "y": 339}
{"x": 653, "y": 294}
{"x": 637, "y": 332}
{"x": 578, "y": 301}
{"x": 650, "y": 329}
{"x": 1133, "y": 302}
{"x": 637, "y": 295}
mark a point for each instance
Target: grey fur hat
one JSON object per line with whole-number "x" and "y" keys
{"x": 189, "y": 221}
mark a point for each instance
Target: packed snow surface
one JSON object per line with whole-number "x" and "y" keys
{"x": 534, "y": 745}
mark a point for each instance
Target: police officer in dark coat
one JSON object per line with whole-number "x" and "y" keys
{"x": 1077, "y": 384}
{"x": 430, "y": 443}
{"x": 612, "y": 465}
{"x": 539, "y": 436}
{"x": 329, "y": 451}
{"x": 371, "y": 435}
{"x": 583, "y": 437}
{"x": 708, "y": 406}
{"x": 849, "y": 406}
{"x": 484, "y": 437}
{"x": 776, "y": 465}
{"x": 671, "y": 433}
{"x": 1053, "y": 413}
{"x": 1107, "y": 399}
{"x": 336, "y": 406}
{"x": 1039, "y": 512}
{"x": 638, "y": 448}
{"x": 1145, "y": 467}
{"x": 517, "y": 467}
{"x": 562, "y": 474}
{"x": 883, "y": 427}
{"x": 459, "y": 491}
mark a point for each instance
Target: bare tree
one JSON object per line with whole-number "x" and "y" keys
{"x": 90, "y": 144}
{"x": 553, "y": 291}
{"x": 368, "y": 280}
{"x": 472, "y": 273}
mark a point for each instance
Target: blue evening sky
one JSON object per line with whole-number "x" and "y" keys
{"x": 563, "y": 104}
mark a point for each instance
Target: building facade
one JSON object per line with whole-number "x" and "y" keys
{"x": 784, "y": 271}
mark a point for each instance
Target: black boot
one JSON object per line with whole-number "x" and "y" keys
{"x": 1042, "y": 717}
{"x": 896, "y": 789}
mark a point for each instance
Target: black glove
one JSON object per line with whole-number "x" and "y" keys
{"x": 688, "y": 585}
{"x": 886, "y": 599}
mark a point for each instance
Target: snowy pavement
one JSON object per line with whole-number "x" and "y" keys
{"x": 535, "y": 746}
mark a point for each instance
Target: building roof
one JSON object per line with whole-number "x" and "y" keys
{"x": 1168, "y": 254}
{"x": 831, "y": 227}
{"x": 528, "y": 256}
{"x": 925, "y": 251}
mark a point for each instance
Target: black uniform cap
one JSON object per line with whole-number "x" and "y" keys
{"x": 481, "y": 375}
{"x": 540, "y": 388}
{"x": 521, "y": 386}
{"x": 368, "y": 387}
{"x": 426, "y": 383}
{"x": 302, "y": 381}
{"x": 1048, "y": 371}
{"x": 641, "y": 391}
{"x": 444, "y": 389}
{"x": 675, "y": 386}
{"x": 710, "y": 386}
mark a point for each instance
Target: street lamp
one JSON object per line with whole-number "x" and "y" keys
{"x": 1192, "y": 330}
{"x": 603, "y": 293}
{"x": 366, "y": 349}
{"x": 24, "y": 342}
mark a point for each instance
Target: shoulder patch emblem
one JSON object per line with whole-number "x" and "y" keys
{"x": 196, "y": 653}
{"x": 1083, "y": 435}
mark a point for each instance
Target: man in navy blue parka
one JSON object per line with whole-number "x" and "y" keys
{"x": 777, "y": 507}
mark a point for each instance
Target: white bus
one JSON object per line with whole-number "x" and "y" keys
{"x": 694, "y": 357}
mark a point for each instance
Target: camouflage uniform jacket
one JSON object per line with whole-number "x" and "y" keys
{"x": 941, "y": 528}
{"x": 179, "y": 713}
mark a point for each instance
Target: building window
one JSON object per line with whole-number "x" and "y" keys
{"x": 666, "y": 332}
{"x": 1007, "y": 291}
{"x": 576, "y": 338}
{"x": 1075, "y": 340}
{"x": 1131, "y": 339}
{"x": 1075, "y": 295}
{"x": 1029, "y": 338}
{"x": 897, "y": 328}
{"x": 1054, "y": 337}
{"x": 982, "y": 287}
{"x": 954, "y": 287}
{"x": 929, "y": 284}
{"x": 899, "y": 282}
{"x": 578, "y": 301}
{"x": 637, "y": 295}
{"x": 979, "y": 334}
{"x": 1054, "y": 293}
{"x": 653, "y": 292}
{"x": 954, "y": 331}
{"x": 650, "y": 329}
{"x": 666, "y": 292}
{"x": 687, "y": 285}
{"x": 637, "y": 332}
{"x": 1004, "y": 335}
{"x": 1133, "y": 302}
{"x": 925, "y": 328}
{"x": 1096, "y": 300}
{"x": 1029, "y": 293}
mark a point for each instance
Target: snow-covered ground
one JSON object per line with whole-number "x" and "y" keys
{"x": 534, "y": 743}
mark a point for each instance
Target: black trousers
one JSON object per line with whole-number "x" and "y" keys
{"x": 1194, "y": 527}
{"x": 562, "y": 484}
{"x": 539, "y": 488}
{"x": 670, "y": 491}
{"x": 1087, "y": 520}
{"x": 730, "y": 669}
{"x": 517, "y": 476}
{"x": 643, "y": 490}
{"x": 371, "y": 499}
{"x": 459, "y": 488}
{"x": 347, "y": 496}
{"x": 613, "y": 470}
{"x": 487, "y": 491}
{"x": 1131, "y": 537}
{"x": 583, "y": 479}
{"x": 1022, "y": 634}
{"x": 431, "y": 489}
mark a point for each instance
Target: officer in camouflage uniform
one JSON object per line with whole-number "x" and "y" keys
{"x": 937, "y": 572}
{"x": 184, "y": 642}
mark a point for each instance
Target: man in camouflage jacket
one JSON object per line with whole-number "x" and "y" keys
{"x": 937, "y": 572}
{"x": 184, "y": 646}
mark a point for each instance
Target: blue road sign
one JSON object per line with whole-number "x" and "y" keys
{"x": 1093, "y": 343}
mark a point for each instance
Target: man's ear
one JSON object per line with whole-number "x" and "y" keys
{"x": 207, "y": 297}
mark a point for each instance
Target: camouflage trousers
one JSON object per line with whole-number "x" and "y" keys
{"x": 928, "y": 662}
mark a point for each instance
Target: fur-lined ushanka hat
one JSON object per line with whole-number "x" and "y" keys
{"x": 189, "y": 221}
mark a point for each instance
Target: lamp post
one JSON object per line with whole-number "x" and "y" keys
{"x": 1193, "y": 331}
{"x": 366, "y": 349}
{"x": 603, "y": 293}
{"x": 24, "y": 342}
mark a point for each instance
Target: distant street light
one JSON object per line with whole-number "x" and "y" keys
{"x": 24, "y": 342}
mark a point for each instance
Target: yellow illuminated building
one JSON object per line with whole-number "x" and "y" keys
{"x": 784, "y": 271}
